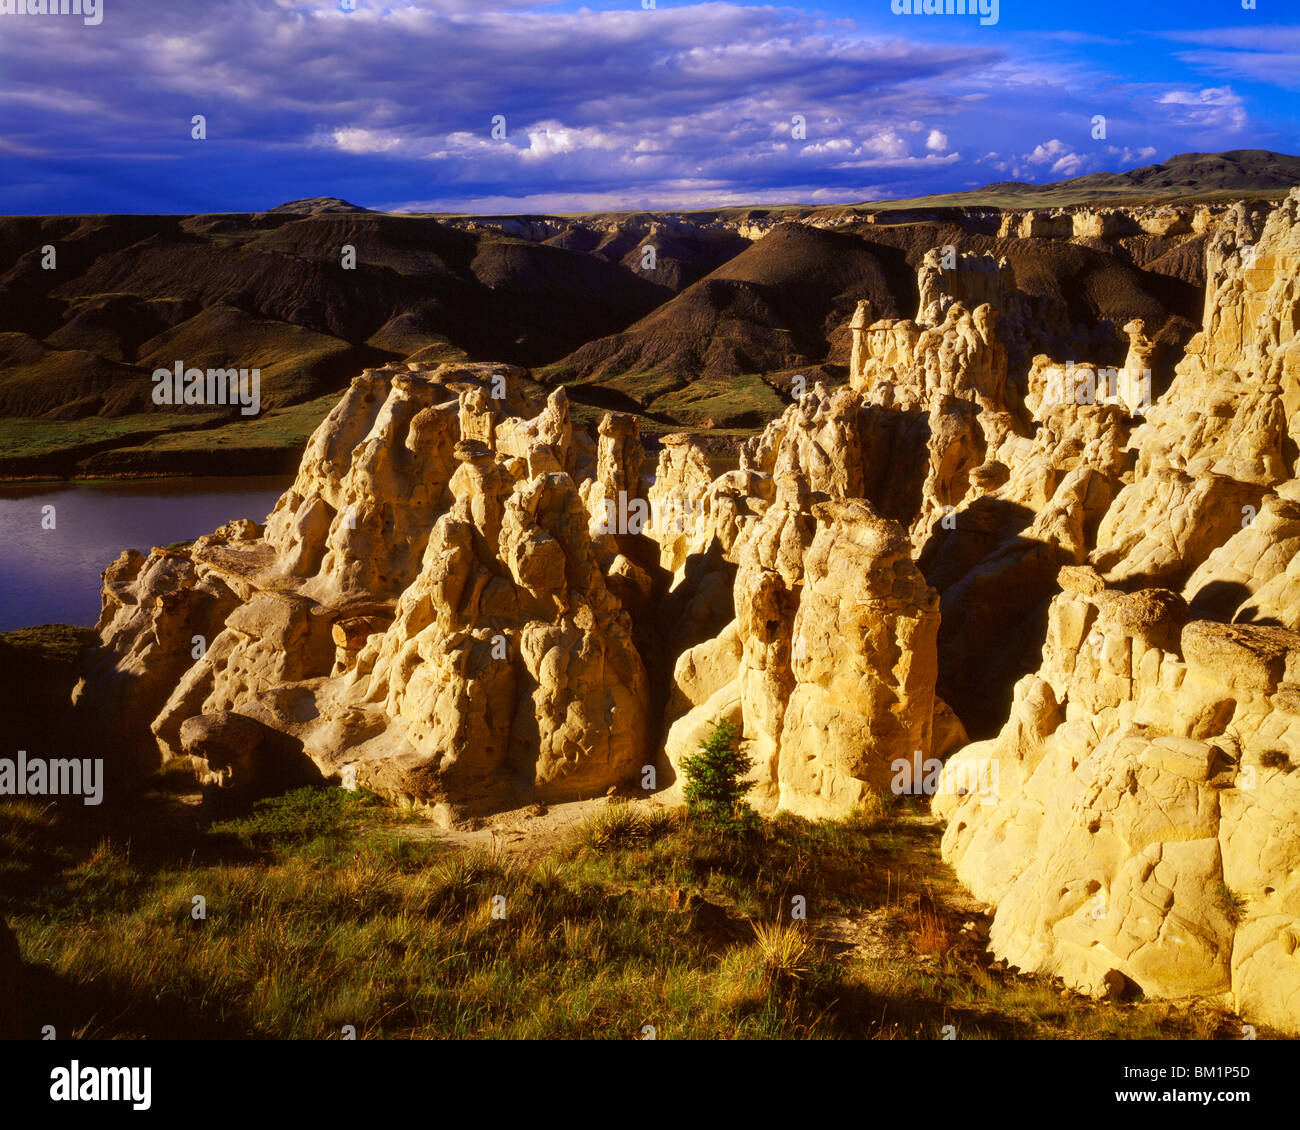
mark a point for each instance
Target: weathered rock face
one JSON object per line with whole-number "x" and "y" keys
{"x": 426, "y": 611}
{"x": 974, "y": 336}
{"x": 1136, "y": 816}
{"x": 959, "y": 356}
{"x": 1254, "y": 576}
{"x": 690, "y": 511}
{"x": 1140, "y": 809}
{"x": 1252, "y": 292}
{"x": 618, "y": 484}
{"x": 1109, "y": 223}
{"x": 158, "y": 613}
{"x": 1055, "y": 224}
{"x": 945, "y": 277}
{"x": 509, "y": 664}
{"x": 246, "y": 756}
{"x": 996, "y": 557}
{"x": 855, "y": 709}
{"x": 377, "y": 471}
{"x": 819, "y": 439}
{"x": 1166, "y": 221}
{"x": 1103, "y": 223}
{"x": 997, "y": 492}
{"x": 1217, "y": 441}
{"x": 829, "y": 665}
{"x": 274, "y": 638}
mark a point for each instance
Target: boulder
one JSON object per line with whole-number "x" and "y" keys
{"x": 245, "y": 757}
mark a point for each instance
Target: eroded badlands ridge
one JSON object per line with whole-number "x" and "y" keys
{"x": 465, "y": 600}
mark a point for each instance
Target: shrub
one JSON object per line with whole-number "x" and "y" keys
{"x": 1230, "y": 902}
{"x": 714, "y": 793}
{"x": 1275, "y": 759}
{"x": 300, "y": 816}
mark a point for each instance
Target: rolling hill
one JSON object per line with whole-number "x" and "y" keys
{"x": 706, "y": 332}
{"x": 1185, "y": 177}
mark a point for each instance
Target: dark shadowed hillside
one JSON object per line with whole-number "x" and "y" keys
{"x": 693, "y": 319}
{"x": 125, "y": 292}
{"x": 784, "y": 304}
{"x": 771, "y": 308}
{"x": 309, "y": 293}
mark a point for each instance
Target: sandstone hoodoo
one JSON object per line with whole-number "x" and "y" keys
{"x": 1146, "y": 821}
{"x": 998, "y": 529}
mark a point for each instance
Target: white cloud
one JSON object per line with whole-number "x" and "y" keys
{"x": 1257, "y": 53}
{"x": 548, "y": 139}
{"x": 1061, "y": 160}
{"x": 1047, "y": 152}
{"x": 835, "y": 145}
{"x": 681, "y": 194}
{"x": 885, "y": 143}
{"x": 1129, "y": 156}
{"x": 1215, "y": 107}
{"x": 353, "y": 140}
{"x": 691, "y": 103}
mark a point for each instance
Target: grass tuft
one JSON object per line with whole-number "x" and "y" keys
{"x": 783, "y": 951}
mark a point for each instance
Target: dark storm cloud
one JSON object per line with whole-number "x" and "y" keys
{"x": 690, "y": 104}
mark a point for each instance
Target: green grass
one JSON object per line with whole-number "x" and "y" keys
{"x": 745, "y": 400}
{"x": 277, "y": 429}
{"x": 641, "y": 387}
{"x": 22, "y": 438}
{"x": 737, "y": 413}
{"x": 298, "y": 817}
{"x": 62, "y": 643}
{"x": 1233, "y": 904}
{"x": 326, "y": 909}
{"x": 620, "y": 825}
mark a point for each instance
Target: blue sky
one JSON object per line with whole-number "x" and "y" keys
{"x": 610, "y": 105}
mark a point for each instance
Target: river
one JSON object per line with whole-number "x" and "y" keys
{"x": 52, "y": 576}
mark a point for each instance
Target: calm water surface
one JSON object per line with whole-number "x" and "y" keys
{"x": 52, "y": 576}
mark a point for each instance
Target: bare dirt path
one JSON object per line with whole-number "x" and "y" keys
{"x": 527, "y": 833}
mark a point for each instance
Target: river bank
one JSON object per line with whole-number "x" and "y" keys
{"x": 152, "y": 445}
{"x": 149, "y": 447}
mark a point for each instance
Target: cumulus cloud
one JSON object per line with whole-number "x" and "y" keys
{"x": 547, "y": 139}
{"x": 1060, "y": 159}
{"x": 353, "y": 140}
{"x": 1215, "y": 107}
{"x": 1126, "y": 156}
{"x": 1057, "y": 159}
{"x": 707, "y": 91}
{"x": 937, "y": 141}
{"x": 1047, "y": 152}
